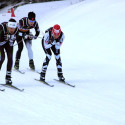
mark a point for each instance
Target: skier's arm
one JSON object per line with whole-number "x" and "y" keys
{"x": 21, "y": 26}
{"x": 2, "y": 40}
{"x": 37, "y": 30}
{"x": 47, "y": 43}
{"x": 59, "y": 43}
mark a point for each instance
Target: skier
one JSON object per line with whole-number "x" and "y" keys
{"x": 25, "y": 24}
{"x": 52, "y": 41}
{"x": 8, "y": 34}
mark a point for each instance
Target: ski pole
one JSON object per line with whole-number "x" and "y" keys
{"x": 40, "y": 37}
{"x": 17, "y": 43}
{"x": 21, "y": 41}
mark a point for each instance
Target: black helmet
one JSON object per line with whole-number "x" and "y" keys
{"x": 31, "y": 16}
{"x": 12, "y": 20}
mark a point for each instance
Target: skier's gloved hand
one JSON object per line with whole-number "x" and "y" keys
{"x": 34, "y": 37}
{"x": 26, "y": 36}
{"x": 7, "y": 37}
{"x": 58, "y": 43}
{"x": 51, "y": 42}
{"x": 13, "y": 37}
{"x": 31, "y": 36}
{"x": 52, "y": 38}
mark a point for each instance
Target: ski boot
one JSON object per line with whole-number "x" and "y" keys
{"x": 42, "y": 76}
{"x": 8, "y": 80}
{"x": 60, "y": 76}
{"x": 31, "y": 64}
{"x": 16, "y": 66}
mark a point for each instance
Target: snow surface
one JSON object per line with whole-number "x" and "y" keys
{"x": 93, "y": 59}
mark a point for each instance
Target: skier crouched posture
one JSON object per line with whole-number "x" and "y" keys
{"x": 25, "y": 24}
{"x": 52, "y": 41}
{"x": 8, "y": 33}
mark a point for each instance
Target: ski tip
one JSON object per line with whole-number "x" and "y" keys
{"x": 52, "y": 86}
{"x": 2, "y": 90}
{"x": 34, "y": 70}
{"x": 21, "y": 90}
{"x": 20, "y": 71}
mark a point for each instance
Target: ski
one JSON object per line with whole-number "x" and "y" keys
{"x": 12, "y": 87}
{"x": 64, "y": 82}
{"x": 20, "y": 71}
{"x": 33, "y": 70}
{"x": 44, "y": 82}
{"x": 2, "y": 89}
{"x": 37, "y": 71}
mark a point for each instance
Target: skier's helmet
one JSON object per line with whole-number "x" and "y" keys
{"x": 12, "y": 23}
{"x": 56, "y": 30}
{"x": 31, "y": 16}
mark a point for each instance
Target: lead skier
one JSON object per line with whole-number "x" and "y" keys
{"x": 8, "y": 34}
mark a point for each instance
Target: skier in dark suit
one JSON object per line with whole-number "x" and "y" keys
{"x": 8, "y": 34}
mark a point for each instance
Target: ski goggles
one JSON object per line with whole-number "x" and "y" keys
{"x": 31, "y": 21}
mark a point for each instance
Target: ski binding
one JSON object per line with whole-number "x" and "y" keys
{"x": 44, "y": 82}
{"x": 64, "y": 82}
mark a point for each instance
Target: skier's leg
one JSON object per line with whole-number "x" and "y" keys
{"x": 45, "y": 65}
{"x": 19, "y": 51}
{"x": 58, "y": 63}
{"x": 46, "y": 62}
{"x": 30, "y": 53}
{"x": 9, "y": 50}
{"x": 2, "y": 56}
{"x": 28, "y": 44}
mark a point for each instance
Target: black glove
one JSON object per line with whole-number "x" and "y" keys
{"x": 29, "y": 36}
{"x": 35, "y": 37}
{"x": 51, "y": 41}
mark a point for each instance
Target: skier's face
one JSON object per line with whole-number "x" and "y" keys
{"x": 11, "y": 30}
{"x": 56, "y": 36}
{"x": 31, "y": 23}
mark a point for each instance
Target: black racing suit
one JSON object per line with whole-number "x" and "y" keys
{"x": 6, "y": 45}
{"x": 24, "y": 29}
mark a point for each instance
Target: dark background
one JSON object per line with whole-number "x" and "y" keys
{"x": 4, "y": 3}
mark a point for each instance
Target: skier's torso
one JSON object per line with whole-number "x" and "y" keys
{"x": 48, "y": 36}
{"x": 25, "y": 27}
{"x": 4, "y": 32}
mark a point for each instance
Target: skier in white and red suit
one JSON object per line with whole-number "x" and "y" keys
{"x": 52, "y": 42}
